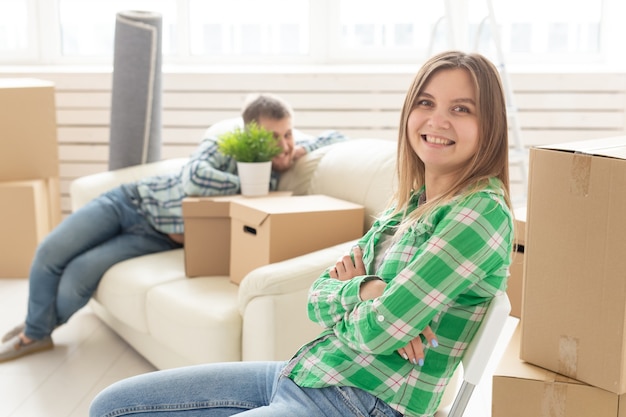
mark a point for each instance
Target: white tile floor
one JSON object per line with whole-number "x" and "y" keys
{"x": 88, "y": 357}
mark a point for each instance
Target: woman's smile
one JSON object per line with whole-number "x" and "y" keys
{"x": 437, "y": 140}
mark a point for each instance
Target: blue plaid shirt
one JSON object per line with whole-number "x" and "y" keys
{"x": 207, "y": 173}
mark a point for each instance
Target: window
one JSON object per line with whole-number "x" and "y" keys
{"x": 269, "y": 28}
{"x": 398, "y": 30}
{"x": 317, "y": 31}
{"x": 562, "y": 29}
{"x": 15, "y": 28}
{"x": 87, "y": 28}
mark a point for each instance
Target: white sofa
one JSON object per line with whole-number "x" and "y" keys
{"x": 174, "y": 321}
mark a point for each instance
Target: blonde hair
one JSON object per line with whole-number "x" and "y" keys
{"x": 492, "y": 157}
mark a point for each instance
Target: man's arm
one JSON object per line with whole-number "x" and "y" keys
{"x": 208, "y": 172}
{"x": 309, "y": 145}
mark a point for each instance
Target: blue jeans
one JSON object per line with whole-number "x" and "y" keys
{"x": 71, "y": 260}
{"x": 251, "y": 389}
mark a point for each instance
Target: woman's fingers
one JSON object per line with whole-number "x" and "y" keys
{"x": 358, "y": 260}
{"x": 430, "y": 336}
{"x": 346, "y": 269}
{"x": 333, "y": 272}
{"x": 348, "y": 266}
{"x": 414, "y": 350}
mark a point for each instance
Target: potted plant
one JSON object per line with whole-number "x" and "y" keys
{"x": 253, "y": 147}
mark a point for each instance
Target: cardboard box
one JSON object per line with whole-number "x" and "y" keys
{"x": 53, "y": 185}
{"x": 24, "y": 222}
{"x": 269, "y": 230}
{"x": 520, "y": 389}
{"x": 207, "y": 233}
{"x": 28, "y": 130}
{"x": 575, "y": 266}
{"x": 516, "y": 278}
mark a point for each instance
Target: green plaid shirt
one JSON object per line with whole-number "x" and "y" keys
{"x": 442, "y": 272}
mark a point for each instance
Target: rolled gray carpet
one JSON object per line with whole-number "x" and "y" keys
{"x": 135, "y": 130}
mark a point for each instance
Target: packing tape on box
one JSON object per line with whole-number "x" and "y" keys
{"x": 580, "y": 174}
{"x": 135, "y": 131}
{"x": 568, "y": 356}
{"x": 554, "y": 401}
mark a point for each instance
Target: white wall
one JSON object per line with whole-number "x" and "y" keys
{"x": 552, "y": 108}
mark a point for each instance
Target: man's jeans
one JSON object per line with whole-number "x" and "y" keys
{"x": 251, "y": 389}
{"x": 70, "y": 262}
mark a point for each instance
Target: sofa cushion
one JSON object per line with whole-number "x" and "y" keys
{"x": 85, "y": 189}
{"x": 123, "y": 288}
{"x": 298, "y": 178}
{"x": 198, "y": 318}
{"x": 368, "y": 180}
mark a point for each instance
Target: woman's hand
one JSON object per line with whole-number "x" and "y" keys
{"x": 346, "y": 269}
{"x": 414, "y": 350}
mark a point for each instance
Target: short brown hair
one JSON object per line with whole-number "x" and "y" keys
{"x": 265, "y": 105}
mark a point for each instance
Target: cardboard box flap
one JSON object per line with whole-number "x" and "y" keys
{"x": 256, "y": 211}
{"x": 207, "y": 206}
{"x": 512, "y": 366}
{"x": 24, "y": 82}
{"x": 612, "y": 147}
{"x": 282, "y": 205}
{"x": 248, "y": 215}
{"x": 218, "y": 206}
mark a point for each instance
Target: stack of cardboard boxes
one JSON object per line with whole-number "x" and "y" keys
{"x": 29, "y": 171}
{"x": 568, "y": 357}
{"x": 231, "y": 236}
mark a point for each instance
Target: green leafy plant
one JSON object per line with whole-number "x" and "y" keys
{"x": 250, "y": 144}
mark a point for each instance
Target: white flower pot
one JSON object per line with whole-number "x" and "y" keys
{"x": 254, "y": 177}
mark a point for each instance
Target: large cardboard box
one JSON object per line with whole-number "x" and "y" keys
{"x": 24, "y": 222}
{"x": 28, "y": 130}
{"x": 574, "y": 301}
{"x": 520, "y": 389}
{"x": 207, "y": 233}
{"x": 268, "y": 230}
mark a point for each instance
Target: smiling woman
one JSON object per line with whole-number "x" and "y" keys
{"x": 443, "y": 127}
{"x": 426, "y": 267}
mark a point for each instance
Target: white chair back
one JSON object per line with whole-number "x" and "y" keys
{"x": 480, "y": 350}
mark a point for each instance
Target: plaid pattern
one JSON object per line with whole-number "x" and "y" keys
{"x": 208, "y": 173}
{"x": 442, "y": 272}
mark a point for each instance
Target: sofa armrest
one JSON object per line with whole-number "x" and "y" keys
{"x": 272, "y": 302}
{"x": 290, "y": 275}
{"x": 85, "y": 189}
